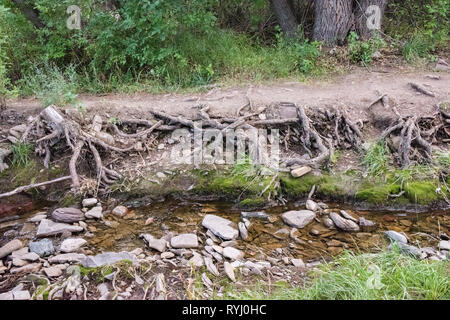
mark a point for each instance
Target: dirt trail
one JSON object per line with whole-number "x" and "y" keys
{"x": 354, "y": 91}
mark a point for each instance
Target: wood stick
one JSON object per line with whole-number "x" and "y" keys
{"x": 34, "y": 185}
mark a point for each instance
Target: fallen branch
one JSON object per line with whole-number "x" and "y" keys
{"x": 34, "y": 185}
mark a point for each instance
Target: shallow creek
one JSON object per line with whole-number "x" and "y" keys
{"x": 265, "y": 236}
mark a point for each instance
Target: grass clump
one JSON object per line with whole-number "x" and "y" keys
{"x": 21, "y": 153}
{"x": 362, "y": 51}
{"x": 387, "y": 275}
{"x": 376, "y": 159}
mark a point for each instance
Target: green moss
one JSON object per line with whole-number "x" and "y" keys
{"x": 297, "y": 187}
{"x": 421, "y": 192}
{"x": 252, "y": 202}
{"x": 377, "y": 193}
{"x": 96, "y": 274}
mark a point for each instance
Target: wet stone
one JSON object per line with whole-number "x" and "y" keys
{"x": 42, "y": 247}
{"x": 298, "y": 219}
{"x": 67, "y": 215}
{"x": 220, "y": 227}
{"x": 187, "y": 240}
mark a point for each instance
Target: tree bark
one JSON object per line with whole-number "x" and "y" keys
{"x": 333, "y": 19}
{"x": 363, "y": 16}
{"x": 285, "y": 17}
{"x": 30, "y": 13}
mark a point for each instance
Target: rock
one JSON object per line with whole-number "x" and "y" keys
{"x": 329, "y": 223}
{"x": 89, "y": 202}
{"x": 233, "y": 253}
{"x": 37, "y": 218}
{"x": 411, "y": 250}
{"x": 206, "y": 281}
{"x": 444, "y": 245}
{"x": 49, "y": 228}
{"x": 29, "y": 268}
{"x": 282, "y": 234}
{"x": 52, "y": 272}
{"x": 167, "y": 255}
{"x": 19, "y": 253}
{"x": 366, "y": 225}
{"x": 186, "y": 240}
{"x": 67, "y": 257}
{"x": 31, "y": 256}
{"x": 72, "y": 244}
{"x": 396, "y": 237}
{"x": 229, "y": 271}
{"x": 257, "y": 215}
{"x": 42, "y": 248}
{"x": 149, "y": 221}
{"x": 11, "y": 246}
{"x": 342, "y": 223}
{"x": 311, "y": 205}
{"x": 231, "y": 243}
{"x": 94, "y": 213}
{"x": 106, "y": 258}
{"x": 211, "y": 267}
{"x": 243, "y": 231}
{"x": 297, "y": 173}
{"x": 157, "y": 244}
{"x": 298, "y": 263}
{"x": 106, "y": 137}
{"x": 120, "y": 211}
{"x": 298, "y": 219}
{"x": 197, "y": 260}
{"x": 221, "y": 227}
{"x": 17, "y": 262}
{"x": 348, "y": 216}
{"x": 15, "y": 295}
{"x": 68, "y": 215}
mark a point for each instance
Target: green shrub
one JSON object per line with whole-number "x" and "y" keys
{"x": 362, "y": 51}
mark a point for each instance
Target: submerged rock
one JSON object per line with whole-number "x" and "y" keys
{"x": 298, "y": 219}
{"x": 342, "y": 223}
{"x": 257, "y": 215}
{"x": 220, "y": 227}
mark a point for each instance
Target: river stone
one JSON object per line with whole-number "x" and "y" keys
{"x": 37, "y": 218}
{"x": 52, "y": 272}
{"x": 329, "y": 223}
{"x": 243, "y": 231}
{"x": 120, "y": 211}
{"x": 395, "y": 236}
{"x": 342, "y": 223}
{"x": 49, "y": 228}
{"x": 366, "y": 225}
{"x": 210, "y": 266}
{"x": 67, "y": 215}
{"x": 311, "y": 205}
{"x": 15, "y": 295}
{"x": 42, "y": 247}
{"x": 298, "y": 219}
{"x": 30, "y": 256}
{"x": 72, "y": 244}
{"x": 298, "y": 263}
{"x": 186, "y": 240}
{"x": 221, "y": 227}
{"x": 29, "y": 268}
{"x": 89, "y": 202}
{"x": 11, "y": 246}
{"x": 258, "y": 215}
{"x": 157, "y": 244}
{"x": 348, "y": 216}
{"x": 106, "y": 258}
{"x": 94, "y": 213}
{"x": 444, "y": 245}
{"x": 233, "y": 253}
{"x": 229, "y": 271}
{"x": 67, "y": 257}
{"x": 411, "y": 250}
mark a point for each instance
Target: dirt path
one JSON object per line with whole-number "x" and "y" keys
{"x": 354, "y": 91}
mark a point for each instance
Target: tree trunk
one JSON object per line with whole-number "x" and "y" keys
{"x": 367, "y": 22}
{"x": 333, "y": 19}
{"x": 285, "y": 17}
{"x": 30, "y": 13}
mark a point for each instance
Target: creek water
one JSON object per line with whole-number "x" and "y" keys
{"x": 265, "y": 236}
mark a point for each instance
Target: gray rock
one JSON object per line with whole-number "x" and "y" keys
{"x": 410, "y": 250}
{"x": 72, "y": 244}
{"x": 229, "y": 271}
{"x": 67, "y": 215}
{"x": 311, "y": 205}
{"x": 157, "y": 244}
{"x": 49, "y": 228}
{"x": 342, "y": 223}
{"x": 257, "y": 215}
{"x": 31, "y": 256}
{"x": 298, "y": 263}
{"x": 329, "y": 223}
{"x": 243, "y": 231}
{"x": 29, "y": 268}
{"x": 221, "y": 227}
{"x": 444, "y": 245}
{"x": 37, "y": 218}
{"x": 210, "y": 266}
{"x": 298, "y": 219}
{"x": 233, "y": 253}
{"x": 348, "y": 216}
{"x": 67, "y": 257}
{"x": 366, "y": 225}
{"x": 106, "y": 258}
{"x": 15, "y": 295}
{"x": 52, "y": 272}
{"x": 89, "y": 202}
{"x": 186, "y": 240}
{"x": 94, "y": 213}
{"x": 11, "y": 246}
{"x": 197, "y": 260}
{"x": 42, "y": 247}
{"x": 120, "y": 211}
{"x": 396, "y": 237}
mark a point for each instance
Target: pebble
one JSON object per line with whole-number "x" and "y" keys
{"x": 220, "y": 227}
{"x": 187, "y": 240}
{"x": 94, "y": 213}
{"x": 120, "y": 211}
{"x": 89, "y": 202}
{"x": 342, "y": 223}
{"x": 298, "y": 219}
{"x": 229, "y": 271}
{"x": 243, "y": 231}
{"x": 311, "y": 205}
{"x": 233, "y": 253}
{"x": 11, "y": 246}
{"x": 49, "y": 228}
{"x": 298, "y": 263}
{"x": 72, "y": 244}
{"x": 52, "y": 272}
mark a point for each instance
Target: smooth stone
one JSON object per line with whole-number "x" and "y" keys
{"x": 52, "y": 272}
{"x": 15, "y": 295}
{"x": 230, "y": 243}
{"x": 31, "y": 256}
{"x": 72, "y": 244}
{"x": 229, "y": 271}
{"x": 17, "y": 262}
{"x": 311, "y": 205}
{"x": 106, "y": 258}
{"x": 49, "y": 228}
{"x": 37, "y": 218}
{"x": 42, "y": 247}
{"x": 329, "y": 223}
{"x": 395, "y": 236}
{"x": 186, "y": 240}
{"x": 243, "y": 231}
{"x": 167, "y": 255}
{"x": 197, "y": 260}
{"x": 210, "y": 266}
{"x": 10, "y": 247}
{"x": 29, "y": 268}
{"x": 366, "y": 225}
{"x": 342, "y": 223}
{"x": 67, "y": 215}
{"x": 19, "y": 253}
{"x": 67, "y": 257}
{"x": 157, "y": 244}
{"x": 89, "y": 202}
{"x": 297, "y": 173}
{"x": 348, "y": 216}
{"x": 94, "y": 213}
{"x": 298, "y": 219}
{"x": 233, "y": 253}
{"x": 298, "y": 263}
{"x": 444, "y": 245}
{"x": 221, "y": 227}
{"x": 120, "y": 211}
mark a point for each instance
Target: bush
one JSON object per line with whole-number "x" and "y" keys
{"x": 363, "y": 51}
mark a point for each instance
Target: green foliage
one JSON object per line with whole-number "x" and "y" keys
{"x": 21, "y": 153}
{"x": 362, "y": 51}
{"x": 376, "y": 159}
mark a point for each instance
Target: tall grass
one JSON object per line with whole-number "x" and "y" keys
{"x": 376, "y": 159}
